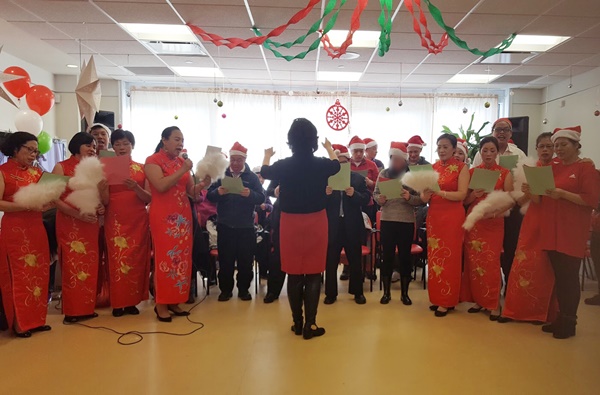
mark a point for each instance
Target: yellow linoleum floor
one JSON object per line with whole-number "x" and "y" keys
{"x": 248, "y": 348}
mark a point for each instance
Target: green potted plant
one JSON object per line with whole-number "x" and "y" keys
{"x": 470, "y": 136}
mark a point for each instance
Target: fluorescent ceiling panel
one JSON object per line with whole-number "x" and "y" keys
{"x": 360, "y": 39}
{"x": 472, "y": 78}
{"x": 184, "y": 71}
{"x": 533, "y": 43}
{"x": 345, "y": 76}
{"x": 159, "y": 32}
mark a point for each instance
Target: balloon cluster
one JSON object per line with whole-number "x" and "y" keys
{"x": 40, "y": 100}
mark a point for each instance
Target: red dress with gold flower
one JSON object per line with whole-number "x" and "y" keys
{"x": 531, "y": 282}
{"x": 78, "y": 256}
{"x": 171, "y": 230}
{"x": 445, "y": 238}
{"x": 127, "y": 233}
{"x": 482, "y": 275}
{"x": 24, "y": 254}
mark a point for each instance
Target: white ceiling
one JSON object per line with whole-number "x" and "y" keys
{"x": 60, "y": 26}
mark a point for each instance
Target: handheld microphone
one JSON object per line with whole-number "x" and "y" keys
{"x": 185, "y": 156}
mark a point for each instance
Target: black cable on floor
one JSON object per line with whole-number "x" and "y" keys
{"x": 138, "y": 335}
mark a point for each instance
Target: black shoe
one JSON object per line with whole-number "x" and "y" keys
{"x": 406, "y": 300}
{"x": 344, "y": 276}
{"x": 385, "y": 299}
{"x": 23, "y": 335}
{"x": 360, "y": 299}
{"x": 131, "y": 310}
{"x": 433, "y": 307}
{"x": 494, "y": 317}
{"x": 311, "y": 331}
{"x": 566, "y": 328}
{"x": 503, "y": 320}
{"x": 297, "y": 328}
{"x": 549, "y": 328}
{"x": 474, "y": 310}
{"x": 181, "y": 313}
{"x": 162, "y": 319}
{"x": 330, "y": 299}
{"x": 441, "y": 313}
{"x": 270, "y": 298}
{"x": 43, "y": 328}
{"x": 245, "y": 296}
{"x": 387, "y": 285}
{"x": 593, "y": 301}
{"x": 71, "y": 319}
{"x": 118, "y": 312}
{"x": 404, "y": 283}
{"x": 224, "y": 297}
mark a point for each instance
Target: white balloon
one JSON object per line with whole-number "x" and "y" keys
{"x": 29, "y": 121}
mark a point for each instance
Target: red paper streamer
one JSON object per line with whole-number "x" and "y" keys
{"x": 234, "y": 42}
{"x": 426, "y": 39}
{"x": 336, "y": 52}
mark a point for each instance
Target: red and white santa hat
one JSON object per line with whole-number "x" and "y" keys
{"x": 462, "y": 145}
{"x": 357, "y": 143}
{"x": 340, "y": 150}
{"x": 416, "y": 141}
{"x": 239, "y": 150}
{"x": 573, "y": 133}
{"x": 370, "y": 143}
{"x": 399, "y": 149}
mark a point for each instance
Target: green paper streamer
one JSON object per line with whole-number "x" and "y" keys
{"x": 437, "y": 16}
{"x": 385, "y": 21}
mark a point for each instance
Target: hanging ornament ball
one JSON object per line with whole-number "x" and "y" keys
{"x": 176, "y": 117}
{"x": 215, "y": 100}
{"x": 291, "y": 93}
{"x": 224, "y": 115}
{"x": 387, "y": 109}
{"x": 545, "y": 121}
{"x": 597, "y": 113}
{"x": 465, "y": 110}
{"x": 400, "y": 103}
{"x": 487, "y": 104}
{"x": 220, "y": 103}
{"x": 119, "y": 126}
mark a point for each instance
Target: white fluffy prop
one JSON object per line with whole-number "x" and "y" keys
{"x": 85, "y": 195}
{"x": 36, "y": 196}
{"x": 421, "y": 180}
{"x": 520, "y": 179}
{"x": 488, "y": 205}
{"x": 213, "y": 165}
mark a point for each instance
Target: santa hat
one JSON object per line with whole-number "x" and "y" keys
{"x": 340, "y": 150}
{"x": 99, "y": 125}
{"x": 370, "y": 143}
{"x": 356, "y": 143}
{"x": 462, "y": 145}
{"x": 399, "y": 149}
{"x": 502, "y": 120}
{"x": 511, "y": 141}
{"x": 416, "y": 141}
{"x": 239, "y": 150}
{"x": 573, "y": 133}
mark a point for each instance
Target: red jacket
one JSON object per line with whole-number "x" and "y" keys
{"x": 372, "y": 172}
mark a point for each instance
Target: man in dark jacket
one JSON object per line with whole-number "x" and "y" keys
{"x": 346, "y": 228}
{"x": 235, "y": 225}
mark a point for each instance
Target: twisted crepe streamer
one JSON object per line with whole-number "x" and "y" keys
{"x": 336, "y": 52}
{"x": 385, "y": 21}
{"x": 426, "y": 39}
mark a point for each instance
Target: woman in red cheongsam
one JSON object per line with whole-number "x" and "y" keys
{"x": 24, "y": 252}
{"x": 444, "y": 233}
{"x": 171, "y": 223}
{"x": 482, "y": 276}
{"x": 127, "y": 233}
{"x": 77, "y": 236}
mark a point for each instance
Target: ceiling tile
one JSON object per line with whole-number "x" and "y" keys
{"x": 42, "y": 29}
{"x": 127, "y": 12}
{"x": 559, "y": 25}
{"x": 65, "y": 11}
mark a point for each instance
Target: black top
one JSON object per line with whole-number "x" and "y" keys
{"x": 303, "y": 181}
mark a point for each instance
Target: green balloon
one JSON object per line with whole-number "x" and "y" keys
{"x": 44, "y": 142}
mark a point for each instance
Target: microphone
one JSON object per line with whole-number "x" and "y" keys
{"x": 185, "y": 156}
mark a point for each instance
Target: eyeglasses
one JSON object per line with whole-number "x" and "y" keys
{"x": 502, "y": 130}
{"x": 236, "y": 160}
{"x": 547, "y": 146}
{"x": 31, "y": 150}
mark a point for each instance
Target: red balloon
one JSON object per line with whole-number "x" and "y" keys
{"x": 40, "y": 99}
{"x": 19, "y": 87}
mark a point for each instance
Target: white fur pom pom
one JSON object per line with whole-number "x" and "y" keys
{"x": 36, "y": 196}
{"x": 421, "y": 180}
{"x": 488, "y": 205}
{"x": 88, "y": 173}
{"x": 213, "y": 165}
{"x": 86, "y": 200}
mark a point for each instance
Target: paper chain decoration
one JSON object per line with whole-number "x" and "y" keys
{"x": 331, "y": 12}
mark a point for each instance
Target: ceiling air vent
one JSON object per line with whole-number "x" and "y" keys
{"x": 175, "y": 48}
{"x": 510, "y": 58}
{"x": 515, "y": 79}
{"x": 150, "y": 70}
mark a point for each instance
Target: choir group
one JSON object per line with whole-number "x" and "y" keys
{"x": 148, "y": 232}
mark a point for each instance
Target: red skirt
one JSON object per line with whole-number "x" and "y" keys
{"x": 303, "y": 242}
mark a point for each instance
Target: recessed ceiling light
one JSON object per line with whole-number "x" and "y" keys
{"x": 72, "y": 66}
{"x": 188, "y": 62}
{"x": 160, "y": 32}
{"x": 360, "y": 39}
{"x": 185, "y": 71}
{"x": 346, "y": 76}
{"x": 534, "y": 43}
{"x": 472, "y": 78}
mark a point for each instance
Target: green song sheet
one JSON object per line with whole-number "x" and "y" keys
{"x": 428, "y": 167}
{"x": 341, "y": 180}
{"x": 363, "y": 173}
{"x": 484, "y": 179}
{"x": 509, "y": 161}
{"x": 107, "y": 154}
{"x": 391, "y": 189}
{"x": 49, "y": 177}
{"x": 540, "y": 179}
{"x": 234, "y": 186}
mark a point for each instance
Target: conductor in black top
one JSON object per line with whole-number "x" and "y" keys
{"x": 346, "y": 229}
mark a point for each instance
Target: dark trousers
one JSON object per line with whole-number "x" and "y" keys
{"x": 566, "y": 285}
{"x": 235, "y": 245}
{"x": 595, "y": 253}
{"x": 263, "y": 252}
{"x": 512, "y": 227}
{"x": 351, "y": 244}
{"x": 276, "y": 276}
{"x": 304, "y": 289}
{"x": 398, "y": 235}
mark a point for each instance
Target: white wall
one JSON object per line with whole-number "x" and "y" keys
{"x": 528, "y": 102}
{"x": 38, "y": 77}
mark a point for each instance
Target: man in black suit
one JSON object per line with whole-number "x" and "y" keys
{"x": 346, "y": 228}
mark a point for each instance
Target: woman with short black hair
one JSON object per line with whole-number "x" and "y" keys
{"x": 24, "y": 251}
{"x": 303, "y": 226}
